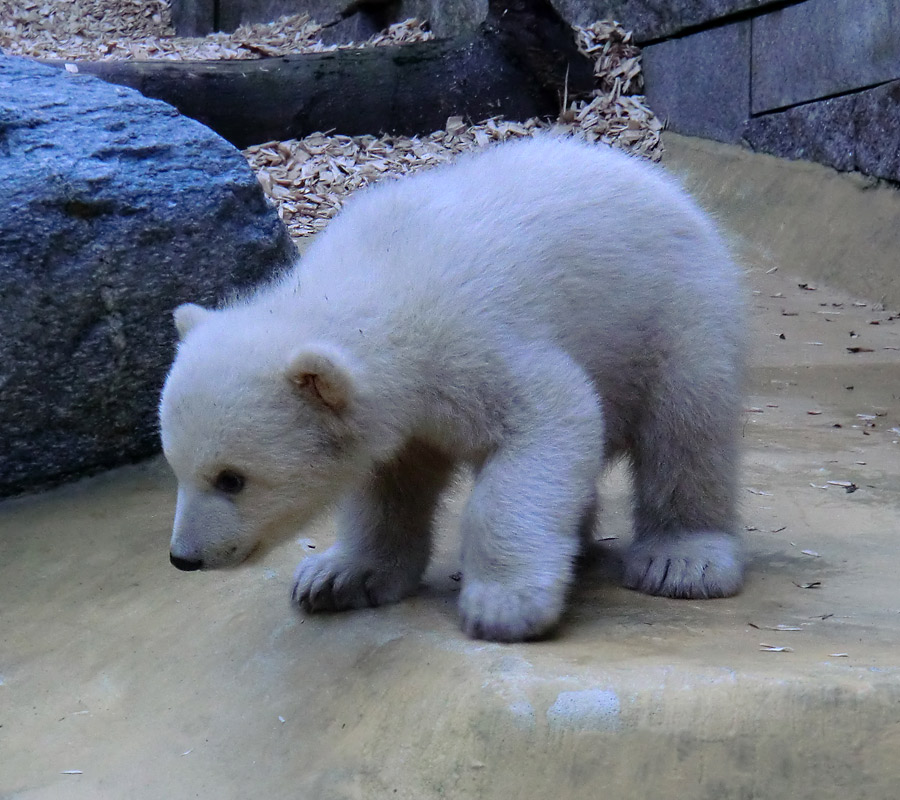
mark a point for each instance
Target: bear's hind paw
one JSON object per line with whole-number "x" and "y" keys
{"x": 687, "y": 565}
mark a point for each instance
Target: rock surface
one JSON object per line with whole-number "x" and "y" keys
{"x": 840, "y": 229}
{"x": 700, "y": 85}
{"x": 817, "y": 80}
{"x": 859, "y": 131}
{"x": 115, "y": 209}
{"x": 651, "y": 20}
{"x": 823, "y": 48}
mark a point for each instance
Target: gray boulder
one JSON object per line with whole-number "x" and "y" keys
{"x": 114, "y": 210}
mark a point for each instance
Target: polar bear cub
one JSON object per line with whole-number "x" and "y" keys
{"x": 531, "y": 311}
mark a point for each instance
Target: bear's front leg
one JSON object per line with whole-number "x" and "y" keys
{"x": 525, "y": 521}
{"x": 384, "y": 537}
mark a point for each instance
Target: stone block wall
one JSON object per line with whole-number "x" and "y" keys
{"x": 803, "y": 79}
{"x": 816, "y": 80}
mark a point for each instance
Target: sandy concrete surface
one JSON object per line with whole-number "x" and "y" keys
{"x": 840, "y": 228}
{"x": 121, "y": 677}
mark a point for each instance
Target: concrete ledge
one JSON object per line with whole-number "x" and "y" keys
{"x": 153, "y": 683}
{"x": 840, "y": 228}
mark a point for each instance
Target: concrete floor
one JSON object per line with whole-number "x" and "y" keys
{"x": 152, "y": 683}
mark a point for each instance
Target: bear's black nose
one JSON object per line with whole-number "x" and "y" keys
{"x": 185, "y": 564}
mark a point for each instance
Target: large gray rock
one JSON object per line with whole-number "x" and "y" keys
{"x": 859, "y": 131}
{"x": 114, "y": 209}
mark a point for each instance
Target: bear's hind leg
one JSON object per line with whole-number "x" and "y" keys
{"x": 684, "y": 462}
{"x": 384, "y": 537}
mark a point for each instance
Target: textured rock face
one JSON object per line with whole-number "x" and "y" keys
{"x": 115, "y": 209}
{"x": 655, "y": 19}
{"x": 859, "y": 131}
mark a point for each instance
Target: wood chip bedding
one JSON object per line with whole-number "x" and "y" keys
{"x": 308, "y": 179}
{"x": 103, "y": 30}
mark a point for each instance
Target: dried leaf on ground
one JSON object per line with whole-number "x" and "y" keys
{"x": 778, "y": 627}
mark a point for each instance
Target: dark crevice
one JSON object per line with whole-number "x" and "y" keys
{"x": 750, "y": 71}
{"x": 720, "y": 22}
{"x": 88, "y": 209}
{"x": 379, "y": 13}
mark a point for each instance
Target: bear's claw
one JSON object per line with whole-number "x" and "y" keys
{"x": 336, "y": 582}
{"x": 689, "y": 565}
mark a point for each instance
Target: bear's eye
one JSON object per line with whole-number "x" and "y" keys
{"x": 229, "y": 482}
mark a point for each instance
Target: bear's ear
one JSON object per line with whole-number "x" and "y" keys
{"x": 187, "y": 316}
{"x": 322, "y": 374}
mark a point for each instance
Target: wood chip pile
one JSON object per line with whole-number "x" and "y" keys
{"x": 308, "y": 179}
{"x": 89, "y": 29}
{"x": 104, "y": 30}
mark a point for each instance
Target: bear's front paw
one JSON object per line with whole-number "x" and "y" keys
{"x": 335, "y": 581}
{"x": 490, "y": 610}
{"x": 686, "y": 565}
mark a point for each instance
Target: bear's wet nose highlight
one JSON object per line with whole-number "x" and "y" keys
{"x": 184, "y": 563}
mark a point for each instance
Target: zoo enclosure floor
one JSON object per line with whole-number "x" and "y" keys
{"x": 121, "y": 677}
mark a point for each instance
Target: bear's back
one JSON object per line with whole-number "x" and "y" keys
{"x": 543, "y": 233}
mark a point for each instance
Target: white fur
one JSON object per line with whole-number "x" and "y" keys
{"x": 530, "y": 311}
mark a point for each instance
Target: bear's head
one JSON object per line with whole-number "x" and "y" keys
{"x": 260, "y": 433}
